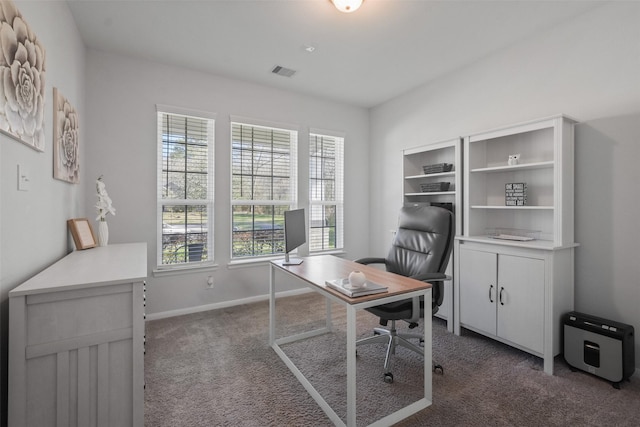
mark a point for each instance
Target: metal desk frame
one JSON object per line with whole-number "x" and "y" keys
{"x": 352, "y": 305}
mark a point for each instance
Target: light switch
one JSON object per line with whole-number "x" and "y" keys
{"x": 23, "y": 178}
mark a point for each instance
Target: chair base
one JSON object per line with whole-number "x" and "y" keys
{"x": 392, "y": 339}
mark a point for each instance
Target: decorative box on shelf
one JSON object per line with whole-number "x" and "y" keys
{"x": 515, "y": 194}
{"x": 435, "y": 186}
{"x": 437, "y": 168}
{"x": 516, "y": 234}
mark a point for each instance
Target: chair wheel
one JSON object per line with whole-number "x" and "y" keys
{"x": 437, "y": 368}
{"x": 388, "y": 377}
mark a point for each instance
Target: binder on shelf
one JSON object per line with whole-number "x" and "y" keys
{"x": 369, "y": 288}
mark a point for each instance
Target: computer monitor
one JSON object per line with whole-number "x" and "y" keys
{"x": 295, "y": 234}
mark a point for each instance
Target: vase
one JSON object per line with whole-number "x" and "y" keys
{"x": 103, "y": 233}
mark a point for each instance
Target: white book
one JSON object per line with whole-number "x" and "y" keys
{"x": 369, "y": 288}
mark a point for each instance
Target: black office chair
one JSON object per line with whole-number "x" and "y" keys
{"x": 420, "y": 250}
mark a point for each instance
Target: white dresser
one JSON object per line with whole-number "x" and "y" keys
{"x": 76, "y": 341}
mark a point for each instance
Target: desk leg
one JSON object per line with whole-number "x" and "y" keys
{"x": 351, "y": 365}
{"x": 272, "y": 305}
{"x": 329, "y": 316}
{"x": 428, "y": 352}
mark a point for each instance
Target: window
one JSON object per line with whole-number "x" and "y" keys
{"x": 185, "y": 189}
{"x": 264, "y": 185}
{"x": 326, "y": 172}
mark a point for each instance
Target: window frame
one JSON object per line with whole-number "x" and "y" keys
{"x": 292, "y": 201}
{"x": 337, "y": 201}
{"x": 208, "y": 202}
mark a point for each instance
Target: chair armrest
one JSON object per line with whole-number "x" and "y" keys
{"x": 415, "y": 310}
{"x": 370, "y": 260}
{"x": 431, "y": 277}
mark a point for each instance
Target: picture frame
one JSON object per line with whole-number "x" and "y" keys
{"x": 66, "y": 141}
{"x": 22, "y": 100}
{"x": 82, "y": 232}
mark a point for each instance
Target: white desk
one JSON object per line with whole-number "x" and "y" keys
{"x": 314, "y": 271}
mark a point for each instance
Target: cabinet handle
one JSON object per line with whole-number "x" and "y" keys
{"x": 501, "y": 290}
{"x": 490, "y": 293}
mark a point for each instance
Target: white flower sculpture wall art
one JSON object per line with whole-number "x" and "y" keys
{"x": 65, "y": 139}
{"x": 22, "y": 85}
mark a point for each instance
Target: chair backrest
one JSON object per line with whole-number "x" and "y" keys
{"x": 423, "y": 242}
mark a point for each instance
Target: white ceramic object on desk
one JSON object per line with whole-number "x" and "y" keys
{"x": 357, "y": 279}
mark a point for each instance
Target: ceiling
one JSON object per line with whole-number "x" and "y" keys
{"x": 364, "y": 58}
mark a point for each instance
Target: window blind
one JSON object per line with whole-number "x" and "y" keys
{"x": 185, "y": 189}
{"x": 326, "y": 188}
{"x": 264, "y": 185}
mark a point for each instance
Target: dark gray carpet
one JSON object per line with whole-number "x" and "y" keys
{"x": 216, "y": 369}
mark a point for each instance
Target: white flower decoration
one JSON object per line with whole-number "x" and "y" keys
{"x": 104, "y": 205}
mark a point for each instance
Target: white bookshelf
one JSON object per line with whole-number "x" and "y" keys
{"x": 414, "y": 160}
{"x": 546, "y": 165}
{"x": 516, "y": 291}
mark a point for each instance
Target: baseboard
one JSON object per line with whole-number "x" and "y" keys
{"x": 224, "y": 304}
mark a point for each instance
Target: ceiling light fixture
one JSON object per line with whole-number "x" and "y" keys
{"x": 347, "y": 6}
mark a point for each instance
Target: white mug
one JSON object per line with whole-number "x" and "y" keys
{"x": 357, "y": 279}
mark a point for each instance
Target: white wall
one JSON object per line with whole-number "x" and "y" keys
{"x": 122, "y": 96}
{"x": 33, "y": 229}
{"x": 606, "y": 220}
{"x": 588, "y": 68}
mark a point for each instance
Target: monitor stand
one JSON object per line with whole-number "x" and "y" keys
{"x": 291, "y": 261}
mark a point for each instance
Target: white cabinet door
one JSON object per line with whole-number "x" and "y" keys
{"x": 521, "y": 301}
{"x": 478, "y": 290}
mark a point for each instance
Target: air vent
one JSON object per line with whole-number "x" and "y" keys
{"x": 282, "y": 71}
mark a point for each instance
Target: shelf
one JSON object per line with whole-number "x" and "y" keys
{"x": 431, "y": 175}
{"x": 537, "y": 244}
{"x": 525, "y": 166}
{"x": 546, "y": 149}
{"x": 432, "y": 193}
{"x": 501, "y": 207}
{"x": 532, "y": 244}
